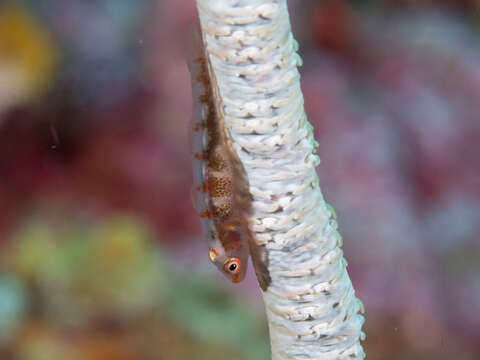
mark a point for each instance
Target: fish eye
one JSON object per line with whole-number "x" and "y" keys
{"x": 232, "y": 266}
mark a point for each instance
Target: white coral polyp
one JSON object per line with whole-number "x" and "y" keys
{"x": 311, "y": 306}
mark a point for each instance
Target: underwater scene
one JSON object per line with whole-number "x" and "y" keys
{"x": 102, "y": 255}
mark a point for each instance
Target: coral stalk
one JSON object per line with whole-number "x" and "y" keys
{"x": 310, "y": 301}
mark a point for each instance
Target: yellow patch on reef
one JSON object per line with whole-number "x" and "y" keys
{"x": 26, "y": 46}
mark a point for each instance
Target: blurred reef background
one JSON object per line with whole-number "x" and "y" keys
{"x": 101, "y": 252}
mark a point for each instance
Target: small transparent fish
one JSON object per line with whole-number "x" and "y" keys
{"x": 220, "y": 191}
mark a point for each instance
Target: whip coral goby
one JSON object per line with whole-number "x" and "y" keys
{"x": 220, "y": 192}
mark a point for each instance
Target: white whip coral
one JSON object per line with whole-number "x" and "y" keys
{"x": 310, "y": 302}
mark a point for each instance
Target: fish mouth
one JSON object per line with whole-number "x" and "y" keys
{"x": 237, "y": 278}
